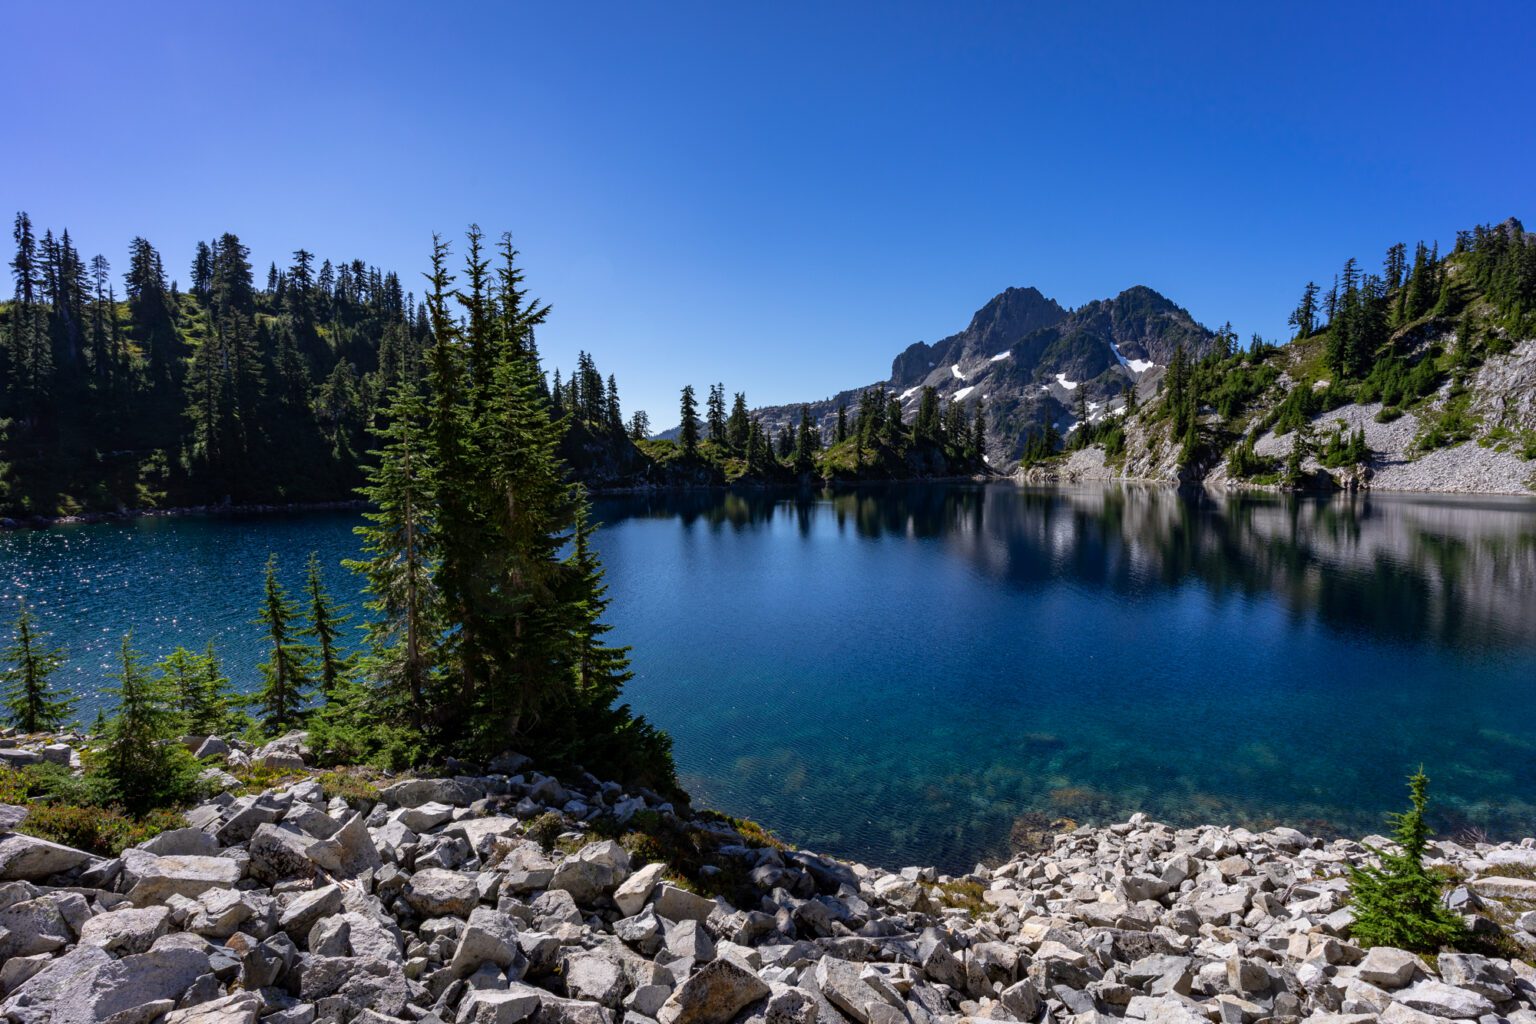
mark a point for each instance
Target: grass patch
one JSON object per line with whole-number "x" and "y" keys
{"x": 752, "y": 834}
{"x": 1511, "y": 871}
{"x": 258, "y": 778}
{"x": 352, "y": 786}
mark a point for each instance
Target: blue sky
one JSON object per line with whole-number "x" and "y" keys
{"x": 782, "y": 197}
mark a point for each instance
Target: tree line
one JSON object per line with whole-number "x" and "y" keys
{"x": 222, "y": 392}
{"x": 874, "y": 439}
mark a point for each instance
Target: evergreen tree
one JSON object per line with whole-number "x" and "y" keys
{"x": 805, "y": 442}
{"x": 1398, "y": 903}
{"x": 926, "y": 426}
{"x": 1179, "y": 385}
{"x": 786, "y": 444}
{"x": 1294, "y": 461}
{"x": 601, "y": 671}
{"x": 1304, "y": 316}
{"x": 979, "y": 432}
{"x": 28, "y": 353}
{"x": 891, "y": 425}
{"x": 104, "y": 354}
{"x": 639, "y": 425}
{"x": 690, "y": 429}
{"x": 1395, "y": 267}
{"x": 198, "y": 690}
{"x": 398, "y": 563}
{"x": 615, "y": 413}
{"x": 715, "y": 414}
{"x": 738, "y": 426}
{"x": 31, "y": 701}
{"x": 956, "y": 427}
{"x": 141, "y": 760}
{"x": 756, "y": 459}
{"x": 287, "y": 670}
{"x": 1423, "y": 287}
{"x": 842, "y": 424}
{"x": 322, "y": 628}
{"x": 609, "y": 730}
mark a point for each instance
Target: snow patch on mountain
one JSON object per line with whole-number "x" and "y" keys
{"x": 1134, "y": 365}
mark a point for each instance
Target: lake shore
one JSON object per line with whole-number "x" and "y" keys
{"x": 1472, "y": 471}
{"x": 38, "y": 522}
{"x": 584, "y": 902}
{"x": 43, "y": 522}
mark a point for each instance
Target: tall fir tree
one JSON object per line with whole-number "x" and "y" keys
{"x": 715, "y": 414}
{"x": 398, "y": 562}
{"x": 689, "y": 436}
{"x": 738, "y": 426}
{"x": 639, "y": 425}
{"x": 806, "y": 442}
{"x": 322, "y": 627}
{"x": 287, "y": 672}
{"x": 141, "y": 759}
{"x": 32, "y": 702}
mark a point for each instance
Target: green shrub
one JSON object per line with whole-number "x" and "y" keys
{"x": 105, "y": 831}
{"x": 1450, "y": 426}
{"x": 546, "y": 828}
{"x": 176, "y": 783}
{"x": 55, "y": 783}
{"x": 13, "y": 786}
{"x": 965, "y": 895}
{"x": 1399, "y": 902}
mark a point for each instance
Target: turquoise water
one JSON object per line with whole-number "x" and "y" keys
{"x": 899, "y": 675}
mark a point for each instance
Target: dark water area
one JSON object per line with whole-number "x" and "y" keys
{"x": 901, "y": 675}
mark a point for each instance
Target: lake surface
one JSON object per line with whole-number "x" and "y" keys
{"x": 901, "y": 675}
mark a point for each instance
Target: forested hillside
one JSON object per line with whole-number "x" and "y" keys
{"x": 222, "y": 392}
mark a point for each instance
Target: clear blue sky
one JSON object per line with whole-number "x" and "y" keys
{"x": 782, "y": 197}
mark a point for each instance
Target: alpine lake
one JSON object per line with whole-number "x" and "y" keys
{"x": 916, "y": 674}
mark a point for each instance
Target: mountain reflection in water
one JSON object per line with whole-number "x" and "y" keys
{"x": 903, "y": 672}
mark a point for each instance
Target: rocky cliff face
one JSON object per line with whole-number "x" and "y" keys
{"x": 504, "y": 897}
{"x": 1500, "y": 405}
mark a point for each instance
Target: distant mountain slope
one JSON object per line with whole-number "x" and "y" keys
{"x": 1026, "y": 357}
{"x": 1425, "y": 380}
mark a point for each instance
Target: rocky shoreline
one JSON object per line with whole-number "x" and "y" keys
{"x": 1468, "y": 469}
{"x": 502, "y": 894}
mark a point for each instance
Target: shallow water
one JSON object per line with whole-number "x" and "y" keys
{"x": 901, "y": 674}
